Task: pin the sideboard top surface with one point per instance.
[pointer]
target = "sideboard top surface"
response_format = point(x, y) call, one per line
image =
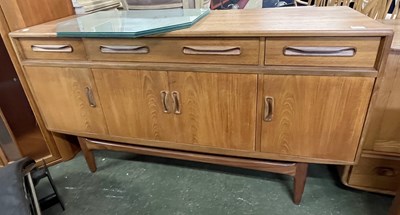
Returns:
point(288, 21)
point(395, 25)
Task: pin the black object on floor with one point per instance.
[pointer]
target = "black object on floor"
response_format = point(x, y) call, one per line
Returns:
point(51, 199)
point(13, 198)
point(17, 188)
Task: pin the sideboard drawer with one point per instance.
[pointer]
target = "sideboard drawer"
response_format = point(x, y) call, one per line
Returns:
point(53, 48)
point(175, 50)
point(322, 51)
point(376, 172)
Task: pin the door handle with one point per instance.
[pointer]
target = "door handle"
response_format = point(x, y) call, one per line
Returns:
point(211, 50)
point(124, 49)
point(52, 48)
point(177, 102)
point(319, 51)
point(268, 108)
point(164, 101)
point(90, 97)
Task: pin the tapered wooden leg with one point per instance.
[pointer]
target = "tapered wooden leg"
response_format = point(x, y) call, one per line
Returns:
point(91, 162)
point(299, 182)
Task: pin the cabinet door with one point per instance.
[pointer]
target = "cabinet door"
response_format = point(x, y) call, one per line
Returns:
point(67, 99)
point(217, 109)
point(132, 103)
point(314, 116)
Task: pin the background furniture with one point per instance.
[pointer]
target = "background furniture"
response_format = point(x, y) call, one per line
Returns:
point(26, 126)
point(378, 169)
point(164, 4)
point(376, 9)
point(294, 93)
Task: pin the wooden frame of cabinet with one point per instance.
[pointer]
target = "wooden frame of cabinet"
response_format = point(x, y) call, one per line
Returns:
point(31, 136)
point(212, 94)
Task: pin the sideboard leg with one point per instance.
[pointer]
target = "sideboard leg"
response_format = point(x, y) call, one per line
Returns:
point(299, 181)
point(91, 162)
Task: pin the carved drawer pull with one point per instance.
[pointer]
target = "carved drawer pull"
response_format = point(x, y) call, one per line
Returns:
point(386, 171)
point(52, 48)
point(319, 51)
point(116, 49)
point(177, 102)
point(164, 101)
point(90, 97)
point(268, 108)
point(212, 50)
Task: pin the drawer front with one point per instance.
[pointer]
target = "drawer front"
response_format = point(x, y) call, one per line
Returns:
point(52, 48)
point(175, 50)
point(377, 173)
point(322, 51)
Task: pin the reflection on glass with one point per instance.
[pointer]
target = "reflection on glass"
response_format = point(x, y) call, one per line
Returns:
point(132, 23)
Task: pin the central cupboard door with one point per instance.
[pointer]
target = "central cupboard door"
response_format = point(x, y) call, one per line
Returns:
point(209, 109)
point(215, 109)
point(314, 116)
point(136, 103)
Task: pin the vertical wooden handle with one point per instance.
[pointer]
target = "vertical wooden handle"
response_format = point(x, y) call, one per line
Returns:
point(268, 108)
point(164, 101)
point(177, 102)
point(90, 97)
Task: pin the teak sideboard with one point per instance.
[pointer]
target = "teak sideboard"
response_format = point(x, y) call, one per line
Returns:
point(241, 88)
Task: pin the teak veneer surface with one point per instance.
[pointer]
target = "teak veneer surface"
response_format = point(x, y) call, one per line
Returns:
point(321, 21)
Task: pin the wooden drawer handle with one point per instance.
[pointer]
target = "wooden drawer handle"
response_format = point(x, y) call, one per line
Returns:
point(52, 48)
point(124, 49)
point(90, 97)
point(177, 102)
point(211, 50)
point(164, 101)
point(386, 171)
point(319, 51)
point(268, 108)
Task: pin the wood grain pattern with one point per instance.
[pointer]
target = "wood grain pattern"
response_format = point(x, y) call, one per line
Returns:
point(62, 100)
point(132, 103)
point(171, 50)
point(319, 117)
point(366, 51)
point(78, 49)
point(377, 172)
point(218, 110)
point(25, 13)
point(318, 21)
point(248, 69)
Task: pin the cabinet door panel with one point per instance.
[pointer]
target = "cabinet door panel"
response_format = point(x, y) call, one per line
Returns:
point(132, 103)
point(217, 109)
point(61, 94)
point(315, 116)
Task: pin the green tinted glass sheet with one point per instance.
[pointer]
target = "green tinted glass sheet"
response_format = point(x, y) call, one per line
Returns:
point(131, 23)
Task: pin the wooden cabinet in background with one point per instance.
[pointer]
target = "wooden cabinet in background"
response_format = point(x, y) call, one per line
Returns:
point(26, 124)
point(378, 168)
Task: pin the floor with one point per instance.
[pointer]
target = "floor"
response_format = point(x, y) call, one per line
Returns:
point(132, 184)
